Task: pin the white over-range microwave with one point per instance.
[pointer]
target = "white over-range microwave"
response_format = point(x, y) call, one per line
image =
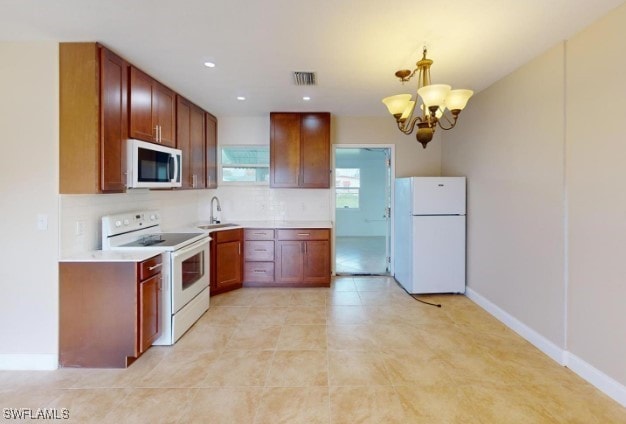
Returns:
point(150, 165)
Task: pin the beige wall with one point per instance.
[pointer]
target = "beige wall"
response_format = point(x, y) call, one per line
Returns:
point(596, 179)
point(411, 158)
point(29, 274)
point(545, 154)
point(509, 144)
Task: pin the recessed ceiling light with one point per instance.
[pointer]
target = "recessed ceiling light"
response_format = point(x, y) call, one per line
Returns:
point(306, 98)
point(209, 64)
point(241, 98)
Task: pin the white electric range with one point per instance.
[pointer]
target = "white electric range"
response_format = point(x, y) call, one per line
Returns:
point(185, 292)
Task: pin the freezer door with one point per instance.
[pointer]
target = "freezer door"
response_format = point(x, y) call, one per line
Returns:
point(438, 254)
point(438, 195)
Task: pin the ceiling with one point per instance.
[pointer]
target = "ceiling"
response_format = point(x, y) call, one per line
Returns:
point(354, 46)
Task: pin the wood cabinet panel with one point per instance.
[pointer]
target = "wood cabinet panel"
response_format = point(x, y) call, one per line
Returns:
point(211, 150)
point(107, 316)
point(197, 155)
point(226, 260)
point(164, 114)
point(300, 150)
point(183, 138)
point(289, 261)
point(152, 109)
point(316, 267)
point(149, 312)
point(259, 272)
point(114, 121)
point(315, 150)
point(303, 234)
point(149, 267)
point(284, 150)
point(93, 124)
point(142, 125)
point(257, 250)
point(258, 234)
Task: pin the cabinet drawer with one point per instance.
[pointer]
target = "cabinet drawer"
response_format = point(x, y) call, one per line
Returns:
point(258, 271)
point(304, 234)
point(149, 267)
point(258, 234)
point(227, 235)
point(259, 251)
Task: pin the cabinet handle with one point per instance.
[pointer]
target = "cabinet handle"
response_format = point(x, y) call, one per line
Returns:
point(156, 134)
point(194, 181)
point(304, 234)
point(154, 267)
point(260, 250)
point(259, 270)
point(305, 249)
point(260, 234)
point(239, 247)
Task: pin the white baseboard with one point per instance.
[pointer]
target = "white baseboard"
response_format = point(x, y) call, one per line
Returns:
point(539, 341)
point(29, 362)
point(603, 382)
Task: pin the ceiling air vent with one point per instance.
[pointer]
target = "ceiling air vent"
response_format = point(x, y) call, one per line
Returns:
point(304, 78)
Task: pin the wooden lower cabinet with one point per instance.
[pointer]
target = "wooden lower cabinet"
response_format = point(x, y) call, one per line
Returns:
point(301, 257)
point(110, 312)
point(226, 260)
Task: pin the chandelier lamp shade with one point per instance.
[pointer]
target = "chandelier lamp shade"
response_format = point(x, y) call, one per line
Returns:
point(437, 104)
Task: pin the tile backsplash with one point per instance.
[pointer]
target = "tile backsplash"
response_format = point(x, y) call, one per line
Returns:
point(80, 214)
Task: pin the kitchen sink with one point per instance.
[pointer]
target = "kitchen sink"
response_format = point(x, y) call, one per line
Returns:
point(215, 226)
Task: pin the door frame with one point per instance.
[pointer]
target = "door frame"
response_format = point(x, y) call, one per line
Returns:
point(392, 159)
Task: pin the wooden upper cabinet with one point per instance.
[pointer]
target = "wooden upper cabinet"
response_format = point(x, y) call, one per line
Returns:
point(93, 123)
point(114, 119)
point(190, 139)
point(211, 150)
point(300, 150)
point(152, 109)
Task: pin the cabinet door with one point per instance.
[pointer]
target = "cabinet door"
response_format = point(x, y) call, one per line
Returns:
point(114, 121)
point(197, 156)
point(284, 150)
point(211, 150)
point(183, 138)
point(228, 265)
point(289, 261)
point(149, 318)
point(164, 113)
point(316, 261)
point(142, 126)
point(315, 150)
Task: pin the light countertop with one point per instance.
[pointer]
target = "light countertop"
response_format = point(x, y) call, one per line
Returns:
point(113, 255)
point(272, 224)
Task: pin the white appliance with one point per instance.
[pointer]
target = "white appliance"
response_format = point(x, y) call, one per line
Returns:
point(185, 272)
point(429, 234)
point(150, 165)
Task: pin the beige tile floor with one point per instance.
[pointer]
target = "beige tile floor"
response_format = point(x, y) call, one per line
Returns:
point(361, 352)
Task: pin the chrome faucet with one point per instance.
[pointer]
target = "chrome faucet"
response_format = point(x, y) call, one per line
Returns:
point(213, 219)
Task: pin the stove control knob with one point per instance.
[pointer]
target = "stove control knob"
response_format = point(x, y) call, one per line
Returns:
point(153, 217)
point(126, 222)
point(118, 223)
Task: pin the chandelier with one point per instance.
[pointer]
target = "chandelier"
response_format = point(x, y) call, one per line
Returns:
point(440, 105)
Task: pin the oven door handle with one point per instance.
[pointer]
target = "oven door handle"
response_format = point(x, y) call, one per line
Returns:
point(200, 243)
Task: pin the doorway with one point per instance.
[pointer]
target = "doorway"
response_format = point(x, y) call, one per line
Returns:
point(363, 209)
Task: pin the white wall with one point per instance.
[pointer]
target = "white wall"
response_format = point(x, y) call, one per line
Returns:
point(29, 116)
point(544, 153)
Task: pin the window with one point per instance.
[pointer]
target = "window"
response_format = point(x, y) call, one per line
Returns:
point(245, 164)
point(347, 186)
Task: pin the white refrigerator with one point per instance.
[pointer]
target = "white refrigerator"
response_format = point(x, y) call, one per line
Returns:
point(429, 234)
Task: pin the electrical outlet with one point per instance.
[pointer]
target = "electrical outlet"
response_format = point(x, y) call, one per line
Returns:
point(42, 222)
point(80, 228)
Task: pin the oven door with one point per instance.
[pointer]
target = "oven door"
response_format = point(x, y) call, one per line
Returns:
point(189, 273)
